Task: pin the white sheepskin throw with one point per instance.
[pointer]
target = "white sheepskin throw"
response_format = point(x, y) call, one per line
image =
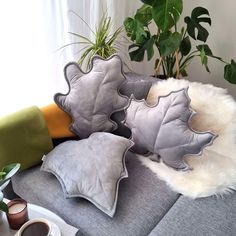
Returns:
point(214, 171)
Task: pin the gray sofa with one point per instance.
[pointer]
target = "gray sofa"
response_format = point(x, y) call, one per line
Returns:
point(146, 205)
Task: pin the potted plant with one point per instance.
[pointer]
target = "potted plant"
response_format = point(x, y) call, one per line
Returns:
point(172, 43)
point(5, 176)
point(104, 43)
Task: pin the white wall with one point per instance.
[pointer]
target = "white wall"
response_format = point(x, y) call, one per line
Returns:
point(222, 41)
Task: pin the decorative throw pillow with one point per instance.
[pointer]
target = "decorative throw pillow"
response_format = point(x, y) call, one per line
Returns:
point(93, 96)
point(24, 138)
point(214, 170)
point(57, 120)
point(164, 129)
point(91, 168)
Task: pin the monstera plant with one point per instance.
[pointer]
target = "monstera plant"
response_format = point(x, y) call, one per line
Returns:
point(5, 176)
point(174, 44)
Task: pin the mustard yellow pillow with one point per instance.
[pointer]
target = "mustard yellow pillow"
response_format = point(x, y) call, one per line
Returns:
point(57, 120)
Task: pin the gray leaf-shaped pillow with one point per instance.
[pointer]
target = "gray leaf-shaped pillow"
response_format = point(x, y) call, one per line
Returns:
point(93, 96)
point(164, 129)
point(91, 168)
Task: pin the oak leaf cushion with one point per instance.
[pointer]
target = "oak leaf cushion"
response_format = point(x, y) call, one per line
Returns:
point(93, 96)
point(163, 129)
point(91, 168)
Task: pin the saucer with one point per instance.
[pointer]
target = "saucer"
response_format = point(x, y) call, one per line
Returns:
point(55, 230)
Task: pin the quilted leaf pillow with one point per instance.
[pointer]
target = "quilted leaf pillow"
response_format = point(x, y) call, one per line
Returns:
point(91, 168)
point(93, 96)
point(164, 129)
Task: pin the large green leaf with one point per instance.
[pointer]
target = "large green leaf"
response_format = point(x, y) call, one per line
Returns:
point(170, 45)
point(149, 48)
point(204, 59)
point(166, 13)
point(230, 72)
point(129, 27)
point(164, 35)
point(144, 14)
point(193, 23)
point(10, 170)
point(207, 51)
point(185, 46)
point(139, 52)
point(134, 29)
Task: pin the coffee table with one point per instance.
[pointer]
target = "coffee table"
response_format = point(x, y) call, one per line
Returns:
point(35, 211)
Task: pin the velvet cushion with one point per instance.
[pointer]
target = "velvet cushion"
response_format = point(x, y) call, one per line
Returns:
point(93, 96)
point(91, 168)
point(164, 129)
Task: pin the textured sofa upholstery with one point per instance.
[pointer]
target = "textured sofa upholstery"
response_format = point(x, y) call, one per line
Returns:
point(146, 205)
point(143, 201)
point(207, 216)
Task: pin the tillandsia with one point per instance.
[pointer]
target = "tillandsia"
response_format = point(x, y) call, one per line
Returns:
point(173, 44)
point(5, 176)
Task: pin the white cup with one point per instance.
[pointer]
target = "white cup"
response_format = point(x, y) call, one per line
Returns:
point(34, 221)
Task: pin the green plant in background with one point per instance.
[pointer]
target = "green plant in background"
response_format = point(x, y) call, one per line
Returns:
point(104, 43)
point(5, 176)
point(173, 44)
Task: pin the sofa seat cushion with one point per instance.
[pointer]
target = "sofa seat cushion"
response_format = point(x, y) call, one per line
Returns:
point(204, 216)
point(143, 201)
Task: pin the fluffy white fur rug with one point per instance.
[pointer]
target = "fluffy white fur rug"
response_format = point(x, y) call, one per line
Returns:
point(214, 172)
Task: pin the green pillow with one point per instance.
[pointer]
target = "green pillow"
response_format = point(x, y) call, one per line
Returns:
point(24, 138)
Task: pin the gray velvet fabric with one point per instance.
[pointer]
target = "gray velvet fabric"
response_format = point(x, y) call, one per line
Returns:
point(93, 96)
point(163, 129)
point(210, 216)
point(143, 201)
point(90, 169)
point(137, 85)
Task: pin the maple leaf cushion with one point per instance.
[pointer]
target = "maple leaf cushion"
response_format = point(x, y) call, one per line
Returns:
point(91, 168)
point(93, 96)
point(164, 129)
